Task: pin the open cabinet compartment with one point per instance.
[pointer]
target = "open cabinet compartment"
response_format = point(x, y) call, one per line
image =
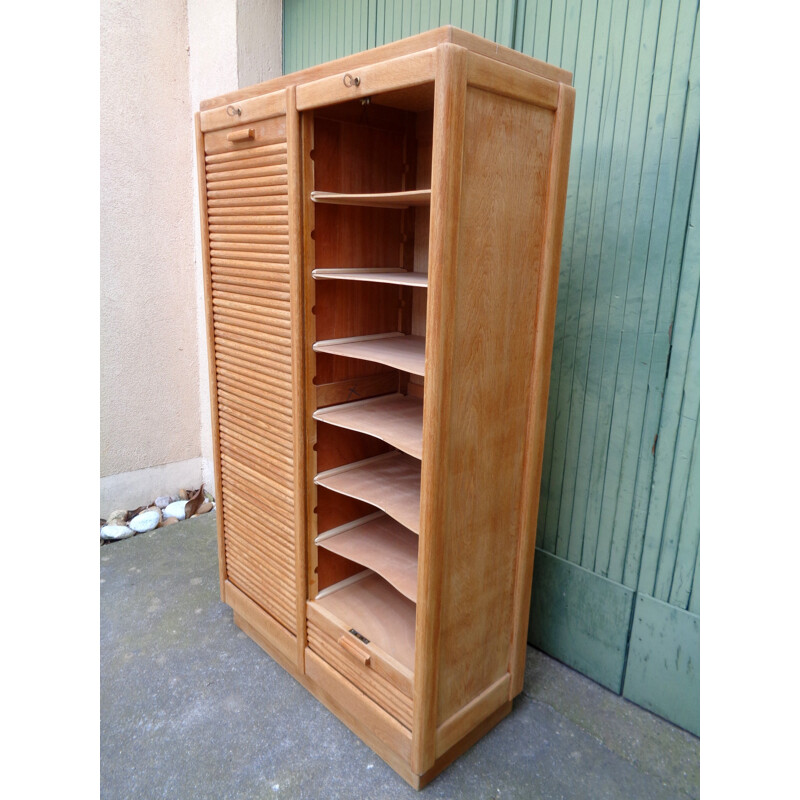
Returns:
point(367, 167)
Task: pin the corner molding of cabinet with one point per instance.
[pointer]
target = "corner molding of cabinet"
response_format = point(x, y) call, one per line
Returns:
point(447, 158)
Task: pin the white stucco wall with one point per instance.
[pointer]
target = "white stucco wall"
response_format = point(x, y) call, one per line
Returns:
point(149, 400)
point(159, 59)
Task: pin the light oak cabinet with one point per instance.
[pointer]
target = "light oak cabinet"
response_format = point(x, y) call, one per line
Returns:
point(382, 240)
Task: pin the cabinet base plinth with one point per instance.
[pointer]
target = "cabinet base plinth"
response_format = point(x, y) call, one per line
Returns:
point(387, 737)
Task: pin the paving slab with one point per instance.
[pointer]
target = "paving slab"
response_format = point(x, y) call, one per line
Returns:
point(192, 708)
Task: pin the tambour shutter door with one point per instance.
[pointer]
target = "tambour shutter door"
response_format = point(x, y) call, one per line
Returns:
point(248, 231)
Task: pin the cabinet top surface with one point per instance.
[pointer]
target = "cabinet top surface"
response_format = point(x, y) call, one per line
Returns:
point(412, 44)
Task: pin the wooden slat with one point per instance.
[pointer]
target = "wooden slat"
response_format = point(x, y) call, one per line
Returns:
point(258, 355)
point(242, 209)
point(250, 171)
point(390, 482)
point(246, 161)
point(214, 162)
point(262, 538)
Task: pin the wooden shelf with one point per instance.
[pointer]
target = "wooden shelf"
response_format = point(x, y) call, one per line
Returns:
point(398, 277)
point(394, 418)
point(396, 350)
point(381, 544)
point(390, 482)
point(377, 611)
point(419, 197)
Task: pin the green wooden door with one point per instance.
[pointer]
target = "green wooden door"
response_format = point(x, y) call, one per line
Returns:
point(616, 581)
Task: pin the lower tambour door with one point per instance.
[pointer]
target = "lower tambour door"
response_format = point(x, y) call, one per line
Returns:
point(248, 286)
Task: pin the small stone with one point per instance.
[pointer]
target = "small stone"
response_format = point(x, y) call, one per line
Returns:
point(176, 510)
point(163, 501)
point(118, 517)
point(168, 521)
point(114, 532)
point(146, 521)
point(184, 494)
point(173, 498)
point(204, 509)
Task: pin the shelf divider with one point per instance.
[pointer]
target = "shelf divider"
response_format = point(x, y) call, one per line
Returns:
point(382, 545)
point(395, 349)
point(390, 481)
point(398, 277)
point(393, 418)
point(417, 197)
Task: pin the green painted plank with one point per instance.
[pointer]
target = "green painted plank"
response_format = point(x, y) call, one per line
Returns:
point(372, 22)
point(594, 292)
point(582, 277)
point(671, 413)
point(541, 33)
point(520, 9)
point(663, 669)
point(679, 479)
point(622, 340)
point(694, 598)
point(446, 12)
point(575, 219)
point(580, 619)
point(689, 542)
point(665, 255)
point(550, 486)
point(555, 37)
point(607, 320)
point(651, 203)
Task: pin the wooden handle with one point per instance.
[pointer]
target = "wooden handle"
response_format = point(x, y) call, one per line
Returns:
point(354, 649)
point(242, 135)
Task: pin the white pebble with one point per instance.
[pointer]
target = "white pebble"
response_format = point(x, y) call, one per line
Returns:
point(114, 532)
point(176, 509)
point(146, 521)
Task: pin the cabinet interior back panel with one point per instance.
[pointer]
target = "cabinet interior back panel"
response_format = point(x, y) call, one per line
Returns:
point(249, 257)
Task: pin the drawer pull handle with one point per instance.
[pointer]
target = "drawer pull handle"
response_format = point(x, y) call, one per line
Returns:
point(349, 80)
point(242, 136)
point(348, 643)
point(232, 111)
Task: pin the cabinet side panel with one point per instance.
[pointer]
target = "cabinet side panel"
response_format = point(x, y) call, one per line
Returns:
point(502, 227)
point(249, 292)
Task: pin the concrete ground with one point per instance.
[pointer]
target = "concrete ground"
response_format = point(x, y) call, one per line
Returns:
point(192, 708)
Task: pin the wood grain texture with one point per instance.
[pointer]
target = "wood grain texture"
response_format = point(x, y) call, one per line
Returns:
point(250, 295)
point(446, 175)
point(502, 235)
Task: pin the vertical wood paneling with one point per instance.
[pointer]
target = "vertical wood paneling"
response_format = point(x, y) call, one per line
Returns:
point(615, 499)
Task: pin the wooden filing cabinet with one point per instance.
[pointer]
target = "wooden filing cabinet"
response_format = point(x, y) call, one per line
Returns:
point(382, 241)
